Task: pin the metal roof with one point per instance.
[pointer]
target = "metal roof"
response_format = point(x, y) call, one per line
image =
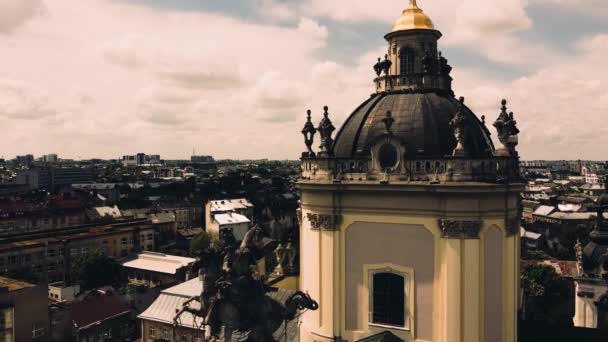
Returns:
point(158, 262)
point(230, 204)
point(230, 218)
point(544, 210)
point(166, 305)
point(422, 122)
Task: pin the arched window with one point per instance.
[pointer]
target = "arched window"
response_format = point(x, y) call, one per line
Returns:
point(407, 57)
point(388, 299)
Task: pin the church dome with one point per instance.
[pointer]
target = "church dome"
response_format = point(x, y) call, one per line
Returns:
point(413, 18)
point(421, 122)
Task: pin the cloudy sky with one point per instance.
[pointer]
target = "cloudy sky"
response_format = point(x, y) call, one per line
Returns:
point(233, 78)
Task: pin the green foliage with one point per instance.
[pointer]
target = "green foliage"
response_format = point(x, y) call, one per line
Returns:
point(202, 242)
point(199, 244)
point(548, 297)
point(534, 255)
point(97, 270)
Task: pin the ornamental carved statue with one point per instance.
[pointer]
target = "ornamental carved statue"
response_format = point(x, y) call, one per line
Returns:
point(378, 67)
point(386, 65)
point(233, 304)
point(506, 128)
point(309, 132)
point(325, 129)
point(459, 125)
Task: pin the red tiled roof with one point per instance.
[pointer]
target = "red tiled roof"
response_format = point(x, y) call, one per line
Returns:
point(21, 206)
point(97, 307)
point(563, 268)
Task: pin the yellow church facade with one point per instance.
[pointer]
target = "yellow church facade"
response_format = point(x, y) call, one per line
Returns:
point(410, 215)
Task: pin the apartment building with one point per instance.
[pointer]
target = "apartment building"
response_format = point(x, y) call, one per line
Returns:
point(49, 255)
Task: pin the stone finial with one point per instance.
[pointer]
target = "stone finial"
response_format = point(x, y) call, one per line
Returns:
point(459, 125)
point(507, 131)
point(309, 131)
point(325, 129)
point(388, 121)
point(386, 64)
point(378, 67)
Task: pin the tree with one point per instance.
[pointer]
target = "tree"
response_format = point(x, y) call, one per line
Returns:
point(534, 255)
point(203, 241)
point(97, 270)
point(547, 296)
point(199, 244)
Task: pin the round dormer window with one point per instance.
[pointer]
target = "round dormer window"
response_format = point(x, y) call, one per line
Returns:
point(388, 156)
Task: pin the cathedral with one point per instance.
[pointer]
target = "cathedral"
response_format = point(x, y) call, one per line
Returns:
point(409, 212)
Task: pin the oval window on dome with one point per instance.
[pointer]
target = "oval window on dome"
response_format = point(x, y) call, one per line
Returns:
point(388, 156)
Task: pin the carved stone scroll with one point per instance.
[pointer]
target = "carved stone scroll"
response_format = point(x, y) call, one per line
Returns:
point(455, 229)
point(323, 221)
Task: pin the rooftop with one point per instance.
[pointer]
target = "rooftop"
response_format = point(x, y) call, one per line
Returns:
point(13, 284)
point(171, 300)
point(544, 210)
point(190, 288)
point(158, 262)
point(108, 211)
point(97, 307)
point(230, 218)
point(56, 236)
point(230, 204)
point(563, 268)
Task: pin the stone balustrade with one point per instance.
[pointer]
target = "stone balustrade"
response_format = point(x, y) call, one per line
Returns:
point(450, 169)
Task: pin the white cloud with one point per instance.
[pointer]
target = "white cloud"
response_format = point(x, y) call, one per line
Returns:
point(22, 101)
point(590, 7)
point(490, 28)
point(126, 77)
point(275, 10)
point(560, 108)
point(101, 78)
point(15, 13)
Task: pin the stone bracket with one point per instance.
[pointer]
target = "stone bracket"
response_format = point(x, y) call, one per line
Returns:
point(327, 222)
point(460, 229)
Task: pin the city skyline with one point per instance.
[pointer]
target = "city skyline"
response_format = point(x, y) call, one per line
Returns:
point(119, 77)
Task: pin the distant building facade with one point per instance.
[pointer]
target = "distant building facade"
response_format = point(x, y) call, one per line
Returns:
point(50, 255)
point(234, 214)
point(54, 178)
point(591, 302)
point(25, 160)
point(151, 269)
point(23, 311)
point(98, 315)
point(19, 216)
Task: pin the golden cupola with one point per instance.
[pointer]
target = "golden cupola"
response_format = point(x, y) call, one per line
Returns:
point(413, 18)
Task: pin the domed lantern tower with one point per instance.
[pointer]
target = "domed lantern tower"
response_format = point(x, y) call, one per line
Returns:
point(410, 215)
